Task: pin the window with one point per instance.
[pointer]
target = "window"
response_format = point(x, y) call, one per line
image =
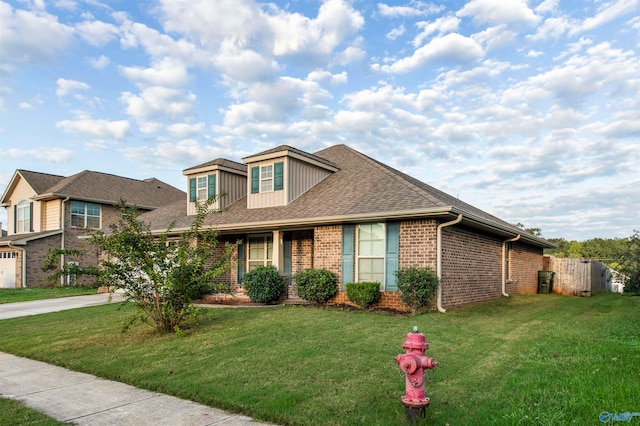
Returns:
point(267, 178)
point(371, 252)
point(202, 188)
point(260, 251)
point(23, 216)
point(85, 215)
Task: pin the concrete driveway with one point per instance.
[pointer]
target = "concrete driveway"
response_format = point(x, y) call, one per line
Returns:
point(21, 309)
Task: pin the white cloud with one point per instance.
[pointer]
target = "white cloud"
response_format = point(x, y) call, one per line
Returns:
point(97, 33)
point(43, 153)
point(442, 25)
point(495, 37)
point(498, 12)
point(607, 13)
point(452, 47)
point(547, 6)
point(65, 87)
point(32, 36)
point(416, 8)
point(158, 100)
point(100, 62)
point(167, 73)
point(396, 32)
point(185, 130)
point(99, 129)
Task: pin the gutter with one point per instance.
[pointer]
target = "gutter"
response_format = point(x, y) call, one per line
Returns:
point(504, 269)
point(62, 241)
point(439, 260)
point(24, 263)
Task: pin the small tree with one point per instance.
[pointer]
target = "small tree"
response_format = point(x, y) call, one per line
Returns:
point(264, 285)
point(417, 286)
point(316, 285)
point(162, 277)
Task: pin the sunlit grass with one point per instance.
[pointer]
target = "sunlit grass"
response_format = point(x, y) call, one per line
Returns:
point(541, 359)
point(11, 295)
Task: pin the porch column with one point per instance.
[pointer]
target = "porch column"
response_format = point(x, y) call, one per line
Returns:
point(278, 251)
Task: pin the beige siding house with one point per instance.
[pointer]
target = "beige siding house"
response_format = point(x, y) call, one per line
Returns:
point(341, 210)
point(48, 211)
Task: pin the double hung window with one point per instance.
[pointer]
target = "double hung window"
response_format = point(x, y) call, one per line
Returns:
point(85, 215)
point(260, 251)
point(23, 216)
point(371, 252)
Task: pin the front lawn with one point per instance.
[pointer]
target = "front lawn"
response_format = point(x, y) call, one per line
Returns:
point(540, 359)
point(11, 295)
point(16, 414)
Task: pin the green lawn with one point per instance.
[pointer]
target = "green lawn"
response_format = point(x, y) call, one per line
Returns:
point(11, 295)
point(16, 414)
point(524, 360)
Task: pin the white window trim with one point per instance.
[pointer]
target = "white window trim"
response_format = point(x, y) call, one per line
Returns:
point(24, 224)
point(265, 241)
point(272, 178)
point(205, 188)
point(383, 257)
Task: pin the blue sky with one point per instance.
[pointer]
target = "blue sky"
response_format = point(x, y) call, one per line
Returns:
point(529, 110)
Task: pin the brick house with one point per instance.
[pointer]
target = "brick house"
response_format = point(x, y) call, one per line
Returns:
point(343, 211)
point(48, 211)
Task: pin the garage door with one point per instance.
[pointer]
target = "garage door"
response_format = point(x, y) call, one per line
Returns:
point(7, 269)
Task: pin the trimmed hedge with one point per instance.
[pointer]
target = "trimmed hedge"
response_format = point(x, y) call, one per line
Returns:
point(316, 285)
point(364, 294)
point(264, 285)
point(417, 286)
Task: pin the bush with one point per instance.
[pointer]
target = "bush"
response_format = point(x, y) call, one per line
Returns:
point(316, 285)
point(417, 286)
point(264, 285)
point(364, 294)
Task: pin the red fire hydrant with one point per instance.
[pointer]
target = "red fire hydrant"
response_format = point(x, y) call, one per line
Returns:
point(413, 363)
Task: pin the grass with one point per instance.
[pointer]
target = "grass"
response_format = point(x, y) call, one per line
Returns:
point(11, 295)
point(524, 360)
point(16, 414)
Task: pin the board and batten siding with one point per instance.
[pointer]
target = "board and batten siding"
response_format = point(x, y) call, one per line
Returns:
point(267, 199)
point(231, 187)
point(302, 177)
point(191, 206)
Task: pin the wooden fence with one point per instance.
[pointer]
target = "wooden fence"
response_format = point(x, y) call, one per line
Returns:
point(578, 277)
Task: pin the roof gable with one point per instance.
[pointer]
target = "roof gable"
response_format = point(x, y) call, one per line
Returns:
point(39, 182)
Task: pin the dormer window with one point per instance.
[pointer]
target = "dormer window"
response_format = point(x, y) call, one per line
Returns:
point(267, 178)
point(202, 188)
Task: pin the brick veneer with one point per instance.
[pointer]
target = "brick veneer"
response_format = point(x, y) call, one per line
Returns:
point(526, 261)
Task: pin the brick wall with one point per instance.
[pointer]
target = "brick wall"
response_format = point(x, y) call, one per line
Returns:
point(36, 253)
point(526, 261)
point(327, 249)
point(471, 267)
point(302, 250)
point(418, 244)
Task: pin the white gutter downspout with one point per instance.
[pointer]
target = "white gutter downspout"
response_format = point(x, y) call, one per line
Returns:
point(24, 263)
point(62, 242)
point(504, 267)
point(439, 260)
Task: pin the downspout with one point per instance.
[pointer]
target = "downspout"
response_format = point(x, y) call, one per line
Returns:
point(439, 260)
point(62, 242)
point(24, 263)
point(504, 258)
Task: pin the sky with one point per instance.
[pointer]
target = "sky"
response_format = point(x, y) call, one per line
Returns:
point(529, 110)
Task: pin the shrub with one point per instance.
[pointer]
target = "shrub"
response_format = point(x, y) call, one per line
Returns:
point(316, 285)
point(364, 294)
point(264, 285)
point(417, 286)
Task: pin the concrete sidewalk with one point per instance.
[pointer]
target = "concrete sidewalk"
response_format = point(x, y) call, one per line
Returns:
point(83, 399)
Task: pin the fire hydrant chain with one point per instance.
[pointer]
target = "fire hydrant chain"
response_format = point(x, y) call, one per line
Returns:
point(413, 363)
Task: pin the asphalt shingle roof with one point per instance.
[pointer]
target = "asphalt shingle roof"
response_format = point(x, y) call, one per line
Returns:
point(361, 187)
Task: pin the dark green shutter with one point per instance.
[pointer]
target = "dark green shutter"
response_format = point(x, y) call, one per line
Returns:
point(192, 190)
point(347, 254)
point(31, 217)
point(240, 263)
point(278, 172)
point(391, 256)
point(15, 219)
point(287, 254)
point(255, 180)
point(211, 190)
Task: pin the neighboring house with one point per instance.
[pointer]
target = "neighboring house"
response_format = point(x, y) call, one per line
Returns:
point(48, 211)
point(343, 211)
